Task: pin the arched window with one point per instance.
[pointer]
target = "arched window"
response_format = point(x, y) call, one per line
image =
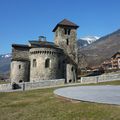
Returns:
point(67, 41)
point(70, 81)
point(19, 66)
point(67, 31)
point(47, 63)
point(34, 63)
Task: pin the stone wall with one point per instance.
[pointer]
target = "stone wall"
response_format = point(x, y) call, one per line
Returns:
point(44, 83)
point(71, 74)
point(20, 53)
point(19, 71)
point(101, 78)
point(5, 87)
point(33, 85)
point(67, 42)
point(40, 72)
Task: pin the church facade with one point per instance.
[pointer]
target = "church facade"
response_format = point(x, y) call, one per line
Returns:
point(43, 60)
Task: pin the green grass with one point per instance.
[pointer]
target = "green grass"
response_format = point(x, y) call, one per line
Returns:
point(117, 82)
point(44, 105)
point(111, 83)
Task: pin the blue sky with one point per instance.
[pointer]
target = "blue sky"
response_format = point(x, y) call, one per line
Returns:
point(23, 20)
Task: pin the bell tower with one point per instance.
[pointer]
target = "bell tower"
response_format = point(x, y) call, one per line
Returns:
point(66, 37)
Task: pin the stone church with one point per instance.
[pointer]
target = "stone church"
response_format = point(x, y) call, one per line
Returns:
point(43, 60)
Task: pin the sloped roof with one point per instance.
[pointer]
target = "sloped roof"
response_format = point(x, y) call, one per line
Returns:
point(45, 44)
point(116, 54)
point(20, 45)
point(65, 22)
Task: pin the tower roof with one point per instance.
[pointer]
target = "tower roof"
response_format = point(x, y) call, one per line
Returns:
point(66, 22)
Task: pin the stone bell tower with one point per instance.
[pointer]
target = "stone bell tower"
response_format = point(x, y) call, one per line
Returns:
point(66, 37)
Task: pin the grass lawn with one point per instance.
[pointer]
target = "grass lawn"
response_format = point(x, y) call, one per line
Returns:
point(117, 82)
point(44, 105)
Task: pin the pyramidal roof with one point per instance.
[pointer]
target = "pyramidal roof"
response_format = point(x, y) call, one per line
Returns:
point(65, 22)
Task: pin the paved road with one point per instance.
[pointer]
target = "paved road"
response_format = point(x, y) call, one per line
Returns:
point(101, 94)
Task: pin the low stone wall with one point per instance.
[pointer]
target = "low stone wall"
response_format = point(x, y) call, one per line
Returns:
point(33, 85)
point(43, 83)
point(5, 86)
point(100, 78)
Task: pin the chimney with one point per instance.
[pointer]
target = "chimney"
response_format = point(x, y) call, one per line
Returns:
point(42, 38)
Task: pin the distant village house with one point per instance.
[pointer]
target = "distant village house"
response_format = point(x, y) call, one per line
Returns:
point(112, 63)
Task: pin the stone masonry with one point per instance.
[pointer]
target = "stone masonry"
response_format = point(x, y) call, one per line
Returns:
point(43, 60)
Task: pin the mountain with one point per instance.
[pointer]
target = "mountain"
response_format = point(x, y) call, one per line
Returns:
point(102, 49)
point(5, 55)
point(90, 39)
point(85, 41)
point(5, 63)
point(92, 52)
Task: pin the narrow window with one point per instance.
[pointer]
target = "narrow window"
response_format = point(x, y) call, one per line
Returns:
point(34, 63)
point(47, 63)
point(70, 81)
point(65, 31)
point(68, 31)
point(19, 66)
point(72, 69)
point(67, 41)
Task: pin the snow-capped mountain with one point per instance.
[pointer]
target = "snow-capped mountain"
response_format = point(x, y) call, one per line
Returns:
point(5, 55)
point(109, 43)
point(90, 39)
point(5, 60)
point(85, 41)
